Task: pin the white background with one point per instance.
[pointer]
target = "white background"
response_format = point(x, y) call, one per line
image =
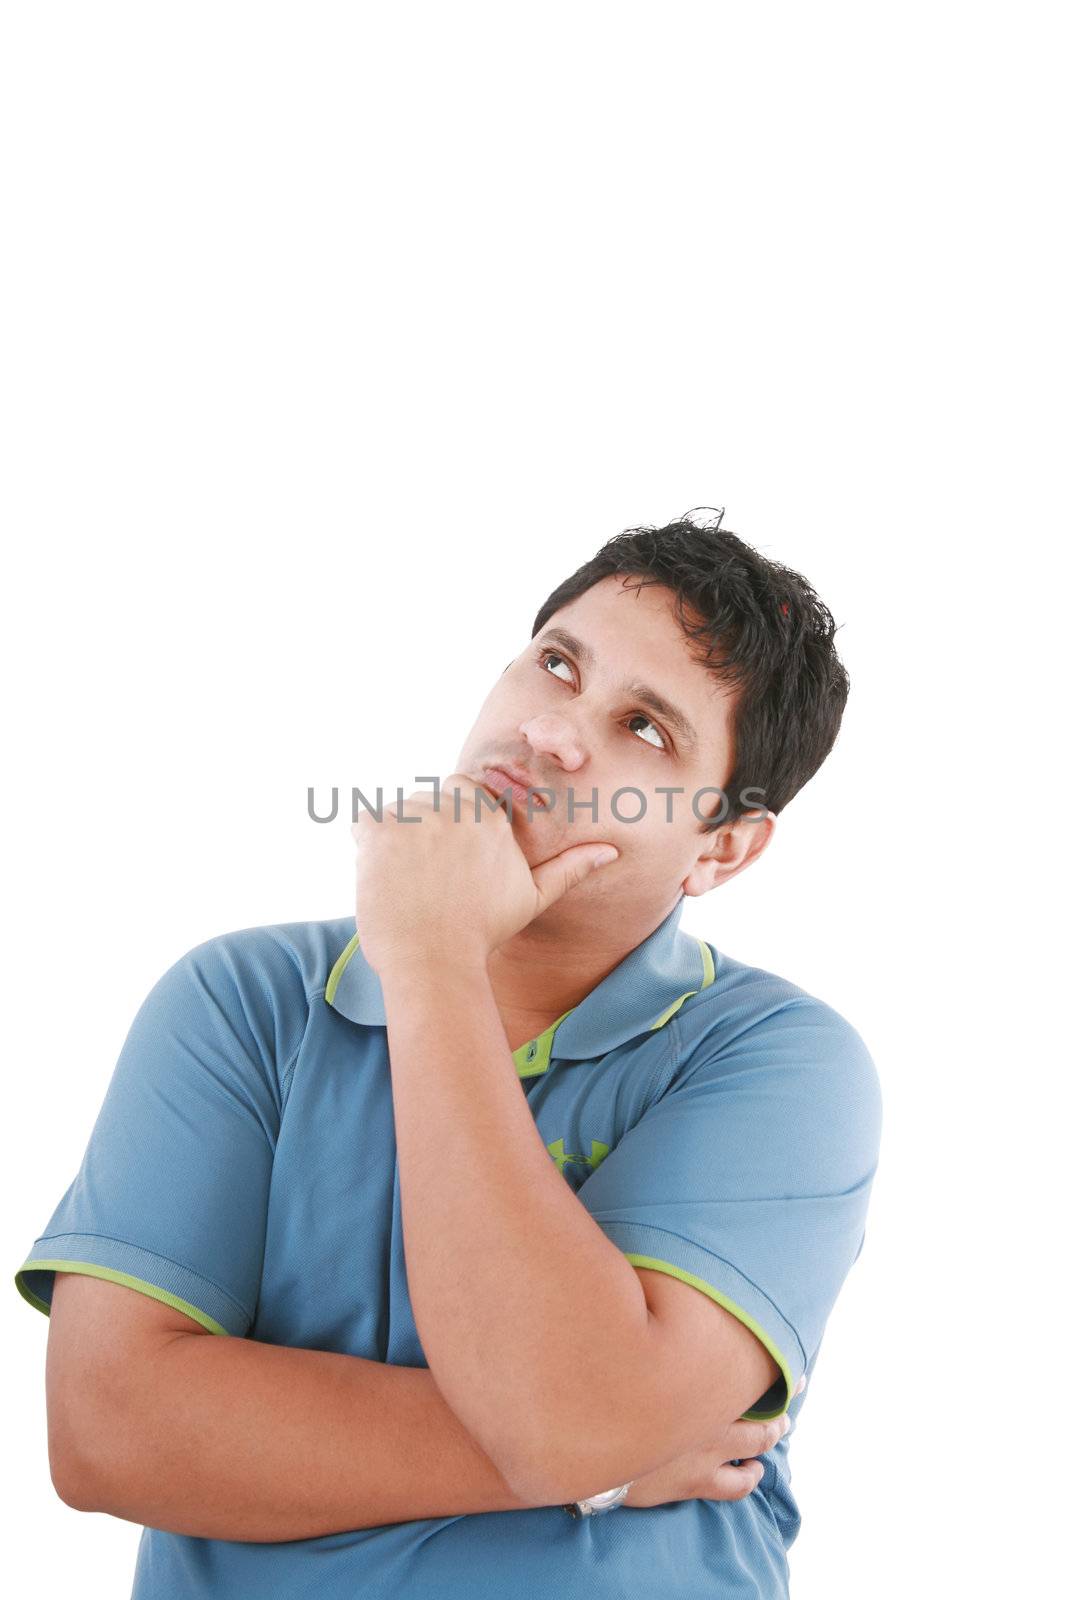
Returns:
point(334, 336)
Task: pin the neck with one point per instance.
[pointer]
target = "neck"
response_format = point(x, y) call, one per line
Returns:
point(550, 966)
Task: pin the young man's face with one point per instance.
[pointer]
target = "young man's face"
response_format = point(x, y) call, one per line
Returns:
point(566, 711)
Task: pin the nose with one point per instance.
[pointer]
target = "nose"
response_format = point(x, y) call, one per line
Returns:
point(550, 735)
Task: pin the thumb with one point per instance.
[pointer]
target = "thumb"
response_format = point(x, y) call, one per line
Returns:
point(553, 878)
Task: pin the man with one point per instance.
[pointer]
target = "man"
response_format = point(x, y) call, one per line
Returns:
point(523, 1208)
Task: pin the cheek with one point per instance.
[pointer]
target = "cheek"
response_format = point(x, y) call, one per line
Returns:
point(651, 838)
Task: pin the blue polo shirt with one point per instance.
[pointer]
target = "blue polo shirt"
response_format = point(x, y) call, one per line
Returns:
point(718, 1122)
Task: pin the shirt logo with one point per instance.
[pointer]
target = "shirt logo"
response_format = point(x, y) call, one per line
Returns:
point(561, 1156)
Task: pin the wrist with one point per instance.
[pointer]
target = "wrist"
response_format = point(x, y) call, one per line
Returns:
point(399, 967)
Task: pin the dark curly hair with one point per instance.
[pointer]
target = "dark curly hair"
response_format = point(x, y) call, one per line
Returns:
point(760, 628)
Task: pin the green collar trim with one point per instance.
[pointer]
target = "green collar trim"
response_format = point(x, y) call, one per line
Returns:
point(532, 1058)
point(338, 969)
point(638, 996)
point(709, 977)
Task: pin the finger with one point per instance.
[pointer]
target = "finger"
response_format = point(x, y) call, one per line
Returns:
point(460, 795)
point(374, 822)
point(464, 783)
point(745, 1439)
point(735, 1482)
point(366, 818)
point(419, 800)
point(553, 878)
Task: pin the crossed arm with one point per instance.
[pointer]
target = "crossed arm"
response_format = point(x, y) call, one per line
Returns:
point(155, 1420)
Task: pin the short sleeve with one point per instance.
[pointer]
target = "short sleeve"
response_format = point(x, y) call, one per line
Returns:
point(750, 1178)
point(172, 1193)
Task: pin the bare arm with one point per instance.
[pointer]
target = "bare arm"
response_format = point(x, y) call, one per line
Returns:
point(154, 1420)
point(563, 1411)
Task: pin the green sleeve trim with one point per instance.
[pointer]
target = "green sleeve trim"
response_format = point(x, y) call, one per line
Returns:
point(742, 1316)
point(109, 1273)
point(339, 966)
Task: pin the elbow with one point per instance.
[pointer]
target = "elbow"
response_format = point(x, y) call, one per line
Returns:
point(580, 1461)
point(530, 1473)
point(569, 1467)
point(523, 1474)
point(71, 1483)
point(560, 1484)
point(532, 1487)
point(73, 1470)
point(533, 1491)
point(566, 1456)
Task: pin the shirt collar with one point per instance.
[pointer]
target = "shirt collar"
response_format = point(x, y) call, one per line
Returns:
point(639, 995)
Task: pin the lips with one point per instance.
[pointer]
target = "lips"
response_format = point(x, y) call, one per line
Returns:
point(497, 778)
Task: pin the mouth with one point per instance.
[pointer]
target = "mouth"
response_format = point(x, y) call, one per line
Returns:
point(498, 779)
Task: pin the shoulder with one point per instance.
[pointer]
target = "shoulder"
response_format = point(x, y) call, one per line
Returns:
point(788, 1053)
point(750, 1016)
point(290, 961)
point(250, 990)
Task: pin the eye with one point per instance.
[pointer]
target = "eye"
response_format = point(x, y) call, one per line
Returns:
point(545, 656)
point(553, 655)
point(639, 716)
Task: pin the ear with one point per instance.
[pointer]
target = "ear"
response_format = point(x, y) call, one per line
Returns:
point(730, 849)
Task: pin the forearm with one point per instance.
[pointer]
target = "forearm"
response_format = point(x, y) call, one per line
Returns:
point(228, 1438)
point(532, 1322)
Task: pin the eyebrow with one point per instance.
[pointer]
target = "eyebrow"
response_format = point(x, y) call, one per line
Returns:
point(650, 698)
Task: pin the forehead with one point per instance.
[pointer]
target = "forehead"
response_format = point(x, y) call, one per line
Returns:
point(631, 629)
